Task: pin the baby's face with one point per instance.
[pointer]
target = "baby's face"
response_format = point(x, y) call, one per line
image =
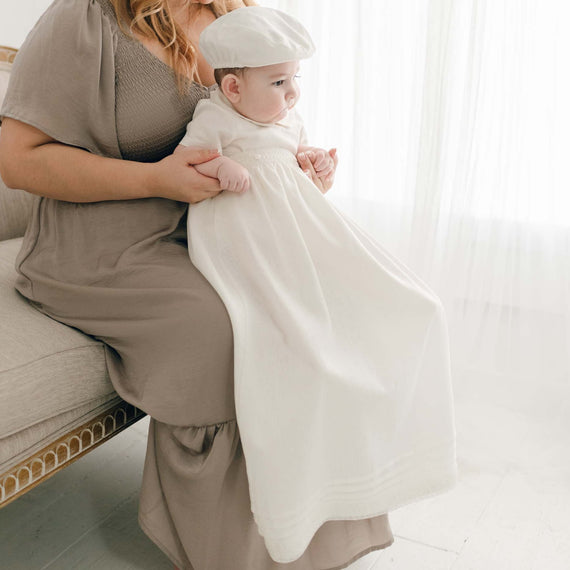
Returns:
point(267, 93)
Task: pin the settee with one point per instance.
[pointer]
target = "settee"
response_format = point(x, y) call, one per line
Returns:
point(56, 400)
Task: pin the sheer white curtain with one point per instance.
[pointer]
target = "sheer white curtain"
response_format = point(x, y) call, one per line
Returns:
point(452, 119)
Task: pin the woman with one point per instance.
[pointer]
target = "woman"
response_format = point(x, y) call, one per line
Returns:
point(92, 115)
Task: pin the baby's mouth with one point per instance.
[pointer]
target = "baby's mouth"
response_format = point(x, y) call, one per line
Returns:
point(283, 113)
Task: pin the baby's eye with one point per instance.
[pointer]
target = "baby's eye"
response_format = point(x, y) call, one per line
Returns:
point(279, 83)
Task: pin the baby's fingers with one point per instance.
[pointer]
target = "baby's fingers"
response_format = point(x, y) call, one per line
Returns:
point(244, 185)
point(326, 171)
point(333, 155)
point(323, 160)
point(240, 185)
point(306, 164)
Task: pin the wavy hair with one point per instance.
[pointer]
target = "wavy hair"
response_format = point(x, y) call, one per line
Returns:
point(152, 19)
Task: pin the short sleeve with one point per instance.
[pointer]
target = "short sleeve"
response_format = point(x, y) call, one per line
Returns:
point(63, 77)
point(206, 128)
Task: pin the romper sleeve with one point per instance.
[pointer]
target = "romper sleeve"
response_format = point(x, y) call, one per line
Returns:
point(207, 127)
point(63, 77)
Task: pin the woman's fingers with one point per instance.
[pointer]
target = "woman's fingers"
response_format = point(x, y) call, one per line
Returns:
point(324, 178)
point(329, 177)
point(309, 171)
point(175, 178)
point(326, 171)
point(333, 154)
point(307, 165)
point(196, 155)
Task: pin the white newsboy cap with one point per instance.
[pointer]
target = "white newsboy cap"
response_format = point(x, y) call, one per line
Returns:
point(254, 36)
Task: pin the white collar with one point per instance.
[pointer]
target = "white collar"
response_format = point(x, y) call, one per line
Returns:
point(218, 97)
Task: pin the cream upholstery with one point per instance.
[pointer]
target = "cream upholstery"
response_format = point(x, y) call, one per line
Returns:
point(15, 208)
point(41, 359)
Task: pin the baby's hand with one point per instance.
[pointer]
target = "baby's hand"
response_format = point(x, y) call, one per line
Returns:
point(321, 160)
point(233, 176)
point(323, 180)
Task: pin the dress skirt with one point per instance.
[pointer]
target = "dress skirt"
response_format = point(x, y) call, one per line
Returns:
point(195, 505)
point(341, 370)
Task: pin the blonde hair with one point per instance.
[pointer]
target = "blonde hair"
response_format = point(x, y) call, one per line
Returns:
point(152, 19)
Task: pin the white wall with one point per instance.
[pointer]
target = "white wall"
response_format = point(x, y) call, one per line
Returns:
point(17, 17)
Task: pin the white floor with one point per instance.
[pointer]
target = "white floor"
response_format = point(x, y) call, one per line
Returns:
point(510, 510)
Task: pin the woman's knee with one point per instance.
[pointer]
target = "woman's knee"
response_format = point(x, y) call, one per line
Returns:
point(205, 322)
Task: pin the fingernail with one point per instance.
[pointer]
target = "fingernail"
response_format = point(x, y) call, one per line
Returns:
point(303, 156)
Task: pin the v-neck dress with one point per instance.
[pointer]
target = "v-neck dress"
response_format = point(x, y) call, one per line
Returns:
point(120, 271)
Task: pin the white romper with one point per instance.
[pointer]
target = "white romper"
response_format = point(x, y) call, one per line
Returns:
point(341, 367)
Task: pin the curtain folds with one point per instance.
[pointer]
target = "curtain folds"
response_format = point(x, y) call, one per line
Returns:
point(452, 122)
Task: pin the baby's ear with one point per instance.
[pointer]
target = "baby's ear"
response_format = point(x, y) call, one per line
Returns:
point(231, 87)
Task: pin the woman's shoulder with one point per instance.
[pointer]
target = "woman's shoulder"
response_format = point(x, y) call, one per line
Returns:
point(107, 8)
point(69, 25)
point(62, 80)
point(62, 11)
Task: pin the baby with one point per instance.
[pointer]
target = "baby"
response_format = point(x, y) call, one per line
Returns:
point(341, 373)
point(264, 94)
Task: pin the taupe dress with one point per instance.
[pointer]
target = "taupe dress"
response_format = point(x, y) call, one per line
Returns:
point(120, 271)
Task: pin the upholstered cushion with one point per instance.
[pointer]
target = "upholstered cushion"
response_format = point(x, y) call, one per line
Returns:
point(46, 368)
point(21, 445)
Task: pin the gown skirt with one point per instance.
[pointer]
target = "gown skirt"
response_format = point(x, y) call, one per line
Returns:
point(341, 364)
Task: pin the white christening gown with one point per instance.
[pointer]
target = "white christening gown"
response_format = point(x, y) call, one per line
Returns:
point(342, 384)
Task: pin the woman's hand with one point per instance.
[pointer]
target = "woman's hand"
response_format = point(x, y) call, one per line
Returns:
point(323, 181)
point(175, 178)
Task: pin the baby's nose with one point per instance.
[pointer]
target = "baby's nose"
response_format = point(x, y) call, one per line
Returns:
point(292, 94)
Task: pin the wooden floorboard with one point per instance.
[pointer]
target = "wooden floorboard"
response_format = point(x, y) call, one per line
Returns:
point(78, 506)
point(115, 543)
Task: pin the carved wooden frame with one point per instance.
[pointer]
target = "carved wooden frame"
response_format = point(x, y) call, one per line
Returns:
point(59, 454)
point(7, 54)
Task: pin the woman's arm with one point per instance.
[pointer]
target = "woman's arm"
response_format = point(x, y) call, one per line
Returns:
point(32, 161)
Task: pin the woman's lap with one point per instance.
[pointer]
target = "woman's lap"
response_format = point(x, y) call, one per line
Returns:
point(168, 336)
